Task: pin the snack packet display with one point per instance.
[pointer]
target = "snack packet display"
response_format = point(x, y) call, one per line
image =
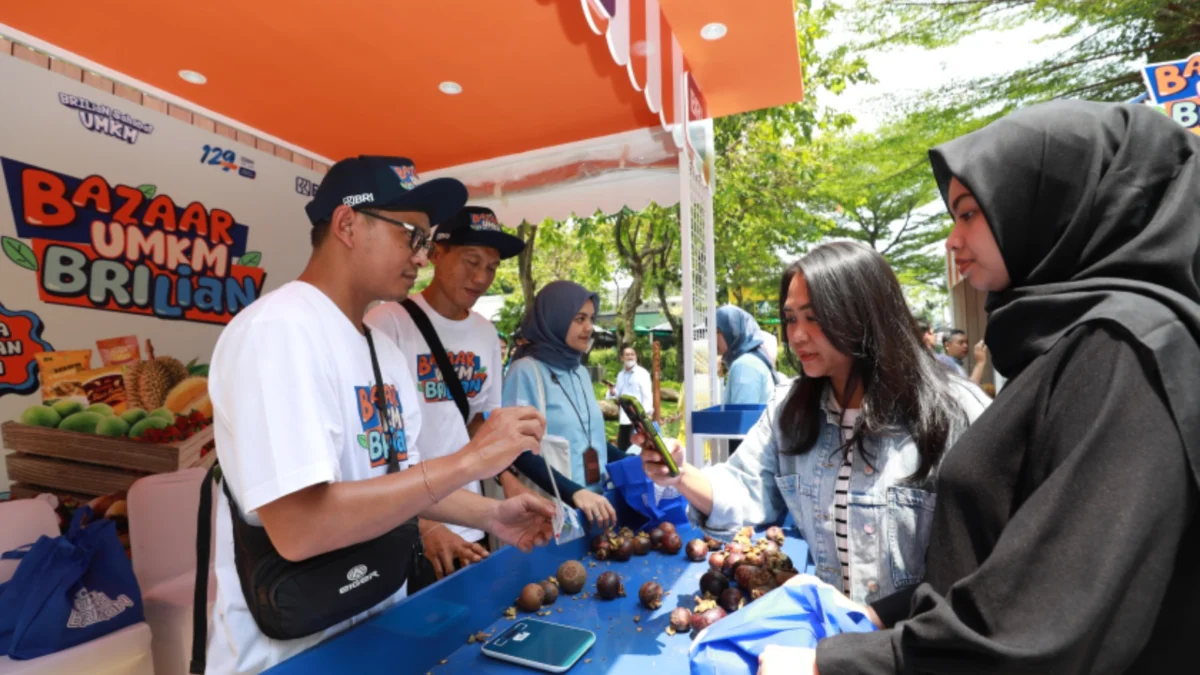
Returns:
point(119, 351)
point(105, 385)
point(60, 374)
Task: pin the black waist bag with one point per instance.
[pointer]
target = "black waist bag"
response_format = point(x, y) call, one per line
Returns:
point(291, 600)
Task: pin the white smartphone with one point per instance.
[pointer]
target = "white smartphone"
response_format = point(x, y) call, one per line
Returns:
point(541, 645)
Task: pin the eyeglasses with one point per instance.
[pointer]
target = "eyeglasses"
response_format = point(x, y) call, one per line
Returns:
point(419, 239)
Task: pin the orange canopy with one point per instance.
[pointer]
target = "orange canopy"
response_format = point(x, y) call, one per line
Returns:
point(342, 78)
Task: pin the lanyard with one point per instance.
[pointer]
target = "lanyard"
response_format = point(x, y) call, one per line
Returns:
point(588, 427)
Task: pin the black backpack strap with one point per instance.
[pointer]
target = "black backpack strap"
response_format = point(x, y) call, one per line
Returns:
point(200, 595)
point(449, 374)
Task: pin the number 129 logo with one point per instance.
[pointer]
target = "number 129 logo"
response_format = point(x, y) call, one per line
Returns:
point(227, 160)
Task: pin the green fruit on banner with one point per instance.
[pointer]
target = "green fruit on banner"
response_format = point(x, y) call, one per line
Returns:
point(67, 408)
point(164, 413)
point(41, 415)
point(113, 426)
point(151, 422)
point(82, 421)
point(134, 415)
point(102, 408)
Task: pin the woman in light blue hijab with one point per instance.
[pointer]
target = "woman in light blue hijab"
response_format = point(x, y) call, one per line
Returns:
point(750, 375)
point(557, 332)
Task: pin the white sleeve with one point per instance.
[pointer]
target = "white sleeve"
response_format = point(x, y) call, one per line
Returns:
point(384, 318)
point(493, 386)
point(283, 431)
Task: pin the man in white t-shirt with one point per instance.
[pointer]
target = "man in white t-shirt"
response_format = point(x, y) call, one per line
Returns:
point(468, 250)
point(302, 445)
point(633, 380)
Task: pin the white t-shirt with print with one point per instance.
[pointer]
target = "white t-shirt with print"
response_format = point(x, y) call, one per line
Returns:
point(291, 386)
point(474, 349)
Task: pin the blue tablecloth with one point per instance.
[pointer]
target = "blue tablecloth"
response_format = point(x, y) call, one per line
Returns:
point(428, 632)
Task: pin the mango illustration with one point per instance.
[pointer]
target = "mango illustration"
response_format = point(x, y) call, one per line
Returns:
point(102, 408)
point(67, 408)
point(41, 415)
point(151, 422)
point(113, 426)
point(85, 422)
point(134, 416)
point(164, 413)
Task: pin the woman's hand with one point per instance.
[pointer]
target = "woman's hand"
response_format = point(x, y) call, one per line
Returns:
point(597, 509)
point(654, 464)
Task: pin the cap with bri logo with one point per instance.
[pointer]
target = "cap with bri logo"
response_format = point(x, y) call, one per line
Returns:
point(478, 226)
point(387, 184)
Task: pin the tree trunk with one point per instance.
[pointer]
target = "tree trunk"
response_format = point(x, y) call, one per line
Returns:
point(629, 308)
point(528, 234)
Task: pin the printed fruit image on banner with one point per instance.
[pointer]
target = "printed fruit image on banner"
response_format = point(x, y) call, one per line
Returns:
point(96, 244)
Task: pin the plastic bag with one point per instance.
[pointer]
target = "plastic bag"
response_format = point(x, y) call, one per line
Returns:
point(800, 614)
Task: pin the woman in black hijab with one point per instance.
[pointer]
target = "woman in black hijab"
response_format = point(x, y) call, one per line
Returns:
point(1065, 538)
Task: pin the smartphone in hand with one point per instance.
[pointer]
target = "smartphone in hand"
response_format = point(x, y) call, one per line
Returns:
point(637, 415)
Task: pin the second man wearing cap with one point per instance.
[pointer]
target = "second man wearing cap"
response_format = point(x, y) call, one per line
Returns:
point(468, 250)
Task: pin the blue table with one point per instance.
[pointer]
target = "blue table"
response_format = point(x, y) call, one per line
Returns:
point(428, 632)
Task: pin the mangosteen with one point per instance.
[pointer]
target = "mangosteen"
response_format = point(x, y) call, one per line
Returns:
point(625, 533)
point(775, 534)
point(744, 573)
point(641, 545)
point(656, 536)
point(782, 576)
point(707, 618)
point(734, 547)
point(697, 550)
point(571, 577)
point(754, 558)
point(550, 589)
point(713, 583)
point(651, 595)
point(731, 600)
point(603, 553)
point(622, 552)
point(717, 560)
point(731, 563)
point(671, 543)
point(770, 547)
point(759, 591)
point(681, 619)
point(609, 586)
point(713, 544)
point(531, 598)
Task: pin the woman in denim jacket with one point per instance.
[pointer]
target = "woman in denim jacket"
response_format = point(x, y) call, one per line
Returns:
point(859, 483)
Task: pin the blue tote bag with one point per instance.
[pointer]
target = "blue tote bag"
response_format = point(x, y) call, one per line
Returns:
point(68, 590)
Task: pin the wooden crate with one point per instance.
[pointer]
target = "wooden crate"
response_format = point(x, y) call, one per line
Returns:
point(90, 464)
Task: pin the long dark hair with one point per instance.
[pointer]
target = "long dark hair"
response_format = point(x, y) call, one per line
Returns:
point(858, 303)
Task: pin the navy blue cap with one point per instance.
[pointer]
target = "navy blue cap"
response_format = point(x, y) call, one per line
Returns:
point(387, 184)
point(478, 226)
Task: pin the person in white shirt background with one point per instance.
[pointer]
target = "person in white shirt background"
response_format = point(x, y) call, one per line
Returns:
point(467, 252)
point(302, 448)
point(633, 380)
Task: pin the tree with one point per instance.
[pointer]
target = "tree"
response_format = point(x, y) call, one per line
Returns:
point(642, 239)
point(1107, 37)
point(574, 249)
point(764, 163)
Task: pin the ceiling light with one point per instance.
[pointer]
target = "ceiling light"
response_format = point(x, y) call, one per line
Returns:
point(192, 76)
point(713, 31)
point(451, 88)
